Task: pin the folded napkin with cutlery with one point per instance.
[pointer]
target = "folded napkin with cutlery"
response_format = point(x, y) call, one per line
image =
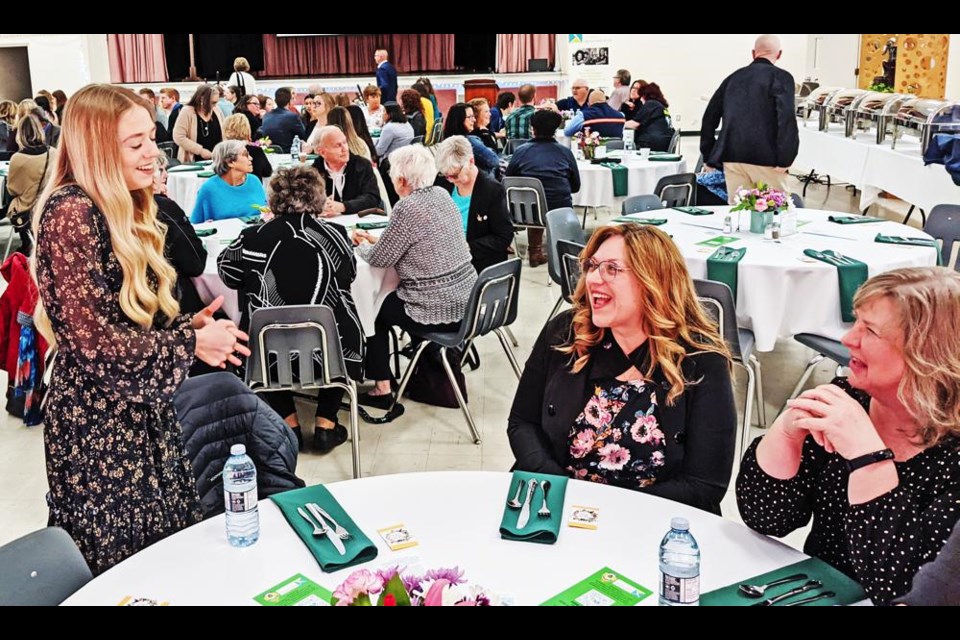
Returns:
point(203, 233)
point(531, 522)
point(619, 173)
point(911, 242)
point(722, 266)
point(357, 547)
point(694, 211)
point(665, 157)
point(206, 174)
point(845, 590)
point(377, 224)
point(654, 221)
point(851, 273)
point(854, 219)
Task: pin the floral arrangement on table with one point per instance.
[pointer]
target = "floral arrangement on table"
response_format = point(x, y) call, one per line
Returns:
point(763, 203)
point(880, 87)
point(436, 588)
point(587, 141)
point(264, 143)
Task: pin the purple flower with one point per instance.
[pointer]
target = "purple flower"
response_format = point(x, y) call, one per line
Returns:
point(411, 584)
point(453, 576)
point(613, 457)
point(386, 575)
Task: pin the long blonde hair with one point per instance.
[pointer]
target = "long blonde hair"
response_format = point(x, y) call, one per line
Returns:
point(673, 319)
point(927, 301)
point(90, 157)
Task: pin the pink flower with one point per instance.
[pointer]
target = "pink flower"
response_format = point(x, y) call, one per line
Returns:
point(434, 595)
point(596, 414)
point(362, 582)
point(657, 459)
point(613, 457)
point(583, 443)
point(761, 205)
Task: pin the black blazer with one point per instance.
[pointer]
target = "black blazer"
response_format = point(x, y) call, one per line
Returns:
point(756, 104)
point(184, 251)
point(700, 427)
point(489, 229)
point(360, 189)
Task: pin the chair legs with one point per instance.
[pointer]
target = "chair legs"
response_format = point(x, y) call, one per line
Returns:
point(460, 399)
point(761, 407)
point(512, 337)
point(553, 311)
point(814, 361)
point(351, 390)
point(410, 367)
point(747, 407)
point(506, 348)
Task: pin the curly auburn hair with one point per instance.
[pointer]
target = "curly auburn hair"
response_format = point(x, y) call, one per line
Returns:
point(297, 190)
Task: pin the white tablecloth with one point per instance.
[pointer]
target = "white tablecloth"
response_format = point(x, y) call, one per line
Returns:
point(781, 292)
point(873, 168)
point(596, 182)
point(455, 516)
point(369, 289)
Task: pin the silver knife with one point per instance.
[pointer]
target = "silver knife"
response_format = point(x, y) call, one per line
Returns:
point(331, 536)
point(524, 517)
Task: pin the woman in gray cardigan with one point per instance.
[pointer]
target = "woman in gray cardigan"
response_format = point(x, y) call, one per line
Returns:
point(426, 245)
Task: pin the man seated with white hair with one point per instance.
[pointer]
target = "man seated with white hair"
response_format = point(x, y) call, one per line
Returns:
point(234, 191)
point(426, 244)
point(597, 116)
point(351, 185)
point(581, 91)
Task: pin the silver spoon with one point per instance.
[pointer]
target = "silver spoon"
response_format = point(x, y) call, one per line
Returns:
point(515, 503)
point(757, 591)
point(819, 596)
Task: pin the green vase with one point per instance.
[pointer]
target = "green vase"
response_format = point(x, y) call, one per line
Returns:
point(588, 152)
point(759, 220)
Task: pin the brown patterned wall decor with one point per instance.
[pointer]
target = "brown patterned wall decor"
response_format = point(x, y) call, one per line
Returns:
point(921, 62)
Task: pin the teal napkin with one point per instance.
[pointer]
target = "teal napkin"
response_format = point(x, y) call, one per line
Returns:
point(185, 168)
point(378, 224)
point(206, 174)
point(254, 219)
point(722, 266)
point(912, 242)
point(851, 274)
point(854, 219)
point(542, 530)
point(203, 233)
point(694, 211)
point(359, 549)
point(619, 173)
point(847, 591)
point(654, 221)
point(665, 157)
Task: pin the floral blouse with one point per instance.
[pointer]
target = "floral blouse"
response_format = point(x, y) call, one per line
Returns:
point(617, 438)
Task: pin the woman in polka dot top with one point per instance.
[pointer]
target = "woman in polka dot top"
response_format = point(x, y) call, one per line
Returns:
point(875, 458)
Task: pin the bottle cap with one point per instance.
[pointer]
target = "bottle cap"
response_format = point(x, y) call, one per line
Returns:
point(680, 524)
point(238, 450)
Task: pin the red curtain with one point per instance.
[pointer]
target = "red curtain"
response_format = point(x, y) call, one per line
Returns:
point(353, 54)
point(514, 50)
point(137, 57)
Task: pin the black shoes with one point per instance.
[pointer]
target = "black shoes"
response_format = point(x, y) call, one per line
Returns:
point(297, 431)
point(326, 440)
point(378, 402)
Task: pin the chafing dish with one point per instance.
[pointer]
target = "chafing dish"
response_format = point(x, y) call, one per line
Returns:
point(875, 109)
point(924, 117)
point(815, 102)
point(835, 109)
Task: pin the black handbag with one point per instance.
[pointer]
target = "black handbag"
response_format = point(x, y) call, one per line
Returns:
point(429, 382)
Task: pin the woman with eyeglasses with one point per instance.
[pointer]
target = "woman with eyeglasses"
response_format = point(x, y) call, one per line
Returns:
point(249, 106)
point(462, 121)
point(632, 386)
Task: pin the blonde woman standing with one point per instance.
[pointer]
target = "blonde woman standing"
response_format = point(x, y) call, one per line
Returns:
point(118, 477)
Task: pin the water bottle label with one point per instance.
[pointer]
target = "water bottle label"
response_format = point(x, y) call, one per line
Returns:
point(680, 590)
point(240, 501)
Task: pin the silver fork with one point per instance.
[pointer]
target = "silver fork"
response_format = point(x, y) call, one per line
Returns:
point(544, 511)
point(339, 531)
point(317, 530)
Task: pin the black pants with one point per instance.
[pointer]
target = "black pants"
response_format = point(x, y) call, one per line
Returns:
point(393, 314)
point(328, 402)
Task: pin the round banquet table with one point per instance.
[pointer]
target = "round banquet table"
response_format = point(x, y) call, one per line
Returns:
point(369, 288)
point(455, 516)
point(781, 292)
point(596, 183)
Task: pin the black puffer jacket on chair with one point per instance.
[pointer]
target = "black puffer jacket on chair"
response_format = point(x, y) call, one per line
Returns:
point(217, 411)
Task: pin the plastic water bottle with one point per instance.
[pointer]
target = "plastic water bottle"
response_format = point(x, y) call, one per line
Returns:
point(240, 498)
point(679, 566)
point(628, 146)
point(295, 149)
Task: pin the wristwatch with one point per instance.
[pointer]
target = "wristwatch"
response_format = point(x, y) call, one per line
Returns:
point(868, 459)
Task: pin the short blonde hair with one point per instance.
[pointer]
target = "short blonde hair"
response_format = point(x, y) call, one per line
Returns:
point(241, 64)
point(8, 111)
point(927, 301)
point(413, 163)
point(453, 153)
point(237, 127)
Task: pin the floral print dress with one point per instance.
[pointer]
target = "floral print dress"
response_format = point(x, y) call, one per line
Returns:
point(118, 477)
point(617, 438)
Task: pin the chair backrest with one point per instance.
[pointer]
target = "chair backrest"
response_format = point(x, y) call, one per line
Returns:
point(641, 203)
point(273, 148)
point(437, 131)
point(493, 300)
point(294, 336)
point(417, 140)
point(943, 223)
point(168, 148)
point(674, 142)
point(41, 568)
point(717, 300)
point(699, 166)
point(678, 190)
point(527, 201)
point(512, 144)
point(173, 162)
point(562, 224)
point(569, 267)
point(797, 200)
point(613, 145)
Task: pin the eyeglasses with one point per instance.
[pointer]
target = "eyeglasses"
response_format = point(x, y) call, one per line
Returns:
point(578, 87)
point(609, 270)
point(453, 177)
point(252, 102)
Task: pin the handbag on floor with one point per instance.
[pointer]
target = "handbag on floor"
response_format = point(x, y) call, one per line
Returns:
point(429, 383)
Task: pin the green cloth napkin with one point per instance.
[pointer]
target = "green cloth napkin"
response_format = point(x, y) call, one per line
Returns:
point(694, 211)
point(848, 591)
point(542, 530)
point(722, 266)
point(185, 168)
point(619, 173)
point(254, 219)
point(653, 221)
point(377, 224)
point(202, 163)
point(851, 276)
point(665, 157)
point(206, 174)
point(359, 549)
point(854, 219)
point(203, 233)
point(912, 242)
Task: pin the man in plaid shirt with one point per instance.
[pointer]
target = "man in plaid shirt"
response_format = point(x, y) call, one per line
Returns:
point(518, 123)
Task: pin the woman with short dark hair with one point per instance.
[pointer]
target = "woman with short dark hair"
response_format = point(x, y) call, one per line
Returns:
point(396, 131)
point(462, 121)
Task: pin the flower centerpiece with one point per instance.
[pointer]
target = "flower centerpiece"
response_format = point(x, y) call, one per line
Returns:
point(388, 588)
point(264, 143)
point(764, 205)
point(588, 142)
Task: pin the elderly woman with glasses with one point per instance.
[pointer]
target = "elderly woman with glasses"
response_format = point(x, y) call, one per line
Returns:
point(481, 200)
point(632, 386)
point(234, 191)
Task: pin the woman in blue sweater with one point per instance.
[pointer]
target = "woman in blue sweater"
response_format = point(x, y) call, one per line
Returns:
point(234, 191)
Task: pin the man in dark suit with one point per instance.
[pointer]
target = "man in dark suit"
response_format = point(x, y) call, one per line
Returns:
point(386, 76)
point(351, 185)
point(759, 139)
point(281, 124)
